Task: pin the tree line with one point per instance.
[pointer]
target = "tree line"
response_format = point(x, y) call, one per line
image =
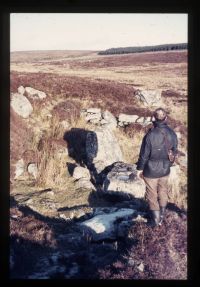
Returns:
point(126, 50)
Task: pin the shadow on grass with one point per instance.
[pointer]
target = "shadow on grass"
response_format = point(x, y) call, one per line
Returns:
point(44, 247)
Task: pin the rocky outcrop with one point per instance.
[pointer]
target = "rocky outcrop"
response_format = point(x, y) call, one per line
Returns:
point(96, 116)
point(32, 169)
point(144, 121)
point(122, 180)
point(84, 183)
point(93, 115)
point(34, 94)
point(31, 92)
point(125, 120)
point(108, 120)
point(102, 149)
point(81, 172)
point(20, 168)
point(21, 90)
point(82, 177)
point(21, 105)
point(149, 97)
point(102, 226)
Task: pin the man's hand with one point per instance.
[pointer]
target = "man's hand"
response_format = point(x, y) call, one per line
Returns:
point(139, 174)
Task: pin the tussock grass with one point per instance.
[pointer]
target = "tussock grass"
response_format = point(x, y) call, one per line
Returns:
point(130, 144)
point(56, 130)
point(52, 156)
point(52, 167)
point(106, 83)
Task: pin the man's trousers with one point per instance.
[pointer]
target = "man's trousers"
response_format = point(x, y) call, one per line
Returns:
point(156, 192)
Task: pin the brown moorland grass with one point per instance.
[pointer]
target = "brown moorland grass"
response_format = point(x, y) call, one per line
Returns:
point(162, 251)
point(131, 60)
point(83, 92)
point(118, 97)
point(152, 70)
point(88, 59)
point(37, 56)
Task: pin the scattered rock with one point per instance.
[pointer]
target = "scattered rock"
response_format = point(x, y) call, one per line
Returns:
point(21, 105)
point(50, 193)
point(144, 121)
point(140, 267)
point(149, 97)
point(63, 216)
point(103, 226)
point(32, 169)
point(122, 180)
point(84, 183)
point(139, 218)
point(81, 172)
point(102, 149)
point(94, 111)
point(34, 94)
point(21, 90)
point(108, 120)
point(20, 168)
point(93, 117)
point(125, 119)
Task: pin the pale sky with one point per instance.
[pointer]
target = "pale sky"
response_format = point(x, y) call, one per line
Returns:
point(94, 31)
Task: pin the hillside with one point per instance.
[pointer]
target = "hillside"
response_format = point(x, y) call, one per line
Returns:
point(77, 122)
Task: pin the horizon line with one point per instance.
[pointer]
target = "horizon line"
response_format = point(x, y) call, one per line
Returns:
point(121, 47)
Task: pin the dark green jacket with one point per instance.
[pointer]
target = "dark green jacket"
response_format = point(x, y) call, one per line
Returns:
point(153, 157)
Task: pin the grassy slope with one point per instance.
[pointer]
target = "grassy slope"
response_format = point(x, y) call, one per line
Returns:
point(108, 82)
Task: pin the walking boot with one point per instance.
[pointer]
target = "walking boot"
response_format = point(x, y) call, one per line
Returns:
point(155, 218)
point(162, 213)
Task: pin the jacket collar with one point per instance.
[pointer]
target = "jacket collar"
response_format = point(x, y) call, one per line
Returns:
point(159, 124)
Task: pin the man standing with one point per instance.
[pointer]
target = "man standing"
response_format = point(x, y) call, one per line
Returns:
point(154, 165)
